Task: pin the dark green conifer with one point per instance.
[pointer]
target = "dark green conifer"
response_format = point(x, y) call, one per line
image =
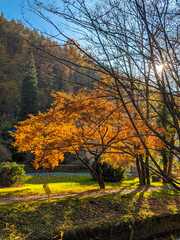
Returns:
point(29, 91)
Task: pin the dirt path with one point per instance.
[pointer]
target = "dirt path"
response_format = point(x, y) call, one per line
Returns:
point(80, 194)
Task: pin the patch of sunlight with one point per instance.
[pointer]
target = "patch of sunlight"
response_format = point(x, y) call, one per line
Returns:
point(146, 213)
point(130, 182)
point(172, 208)
point(37, 189)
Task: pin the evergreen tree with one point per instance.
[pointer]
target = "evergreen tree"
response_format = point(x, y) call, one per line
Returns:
point(29, 91)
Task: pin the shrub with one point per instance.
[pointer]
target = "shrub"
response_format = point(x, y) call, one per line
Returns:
point(11, 173)
point(111, 174)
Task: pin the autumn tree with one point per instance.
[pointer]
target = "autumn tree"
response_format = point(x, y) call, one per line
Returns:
point(29, 93)
point(129, 41)
point(89, 121)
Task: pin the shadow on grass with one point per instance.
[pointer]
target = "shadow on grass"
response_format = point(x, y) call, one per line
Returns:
point(140, 199)
point(34, 221)
point(135, 203)
point(165, 200)
point(15, 192)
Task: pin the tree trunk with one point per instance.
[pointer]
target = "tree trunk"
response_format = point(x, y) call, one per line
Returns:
point(169, 172)
point(147, 116)
point(165, 164)
point(97, 173)
point(139, 171)
point(147, 171)
point(170, 164)
point(143, 170)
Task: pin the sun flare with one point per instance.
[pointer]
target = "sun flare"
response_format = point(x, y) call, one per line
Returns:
point(160, 67)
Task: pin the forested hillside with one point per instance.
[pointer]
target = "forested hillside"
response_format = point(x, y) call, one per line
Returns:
point(52, 75)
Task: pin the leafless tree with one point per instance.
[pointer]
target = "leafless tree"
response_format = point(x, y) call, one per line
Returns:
point(134, 42)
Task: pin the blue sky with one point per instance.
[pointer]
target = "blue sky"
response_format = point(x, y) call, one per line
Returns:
point(12, 9)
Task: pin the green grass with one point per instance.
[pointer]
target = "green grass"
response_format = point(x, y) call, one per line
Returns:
point(46, 219)
point(33, 185)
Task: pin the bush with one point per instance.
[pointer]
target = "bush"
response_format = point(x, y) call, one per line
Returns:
point(11, 173)
point(111, 174)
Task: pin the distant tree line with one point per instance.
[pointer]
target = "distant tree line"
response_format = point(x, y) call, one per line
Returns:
point(52, 75)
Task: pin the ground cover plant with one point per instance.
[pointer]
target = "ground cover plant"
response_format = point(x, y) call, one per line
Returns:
point(33, 185)
point(54, 218)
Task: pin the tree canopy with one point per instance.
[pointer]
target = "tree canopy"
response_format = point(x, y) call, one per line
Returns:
point(89, 121)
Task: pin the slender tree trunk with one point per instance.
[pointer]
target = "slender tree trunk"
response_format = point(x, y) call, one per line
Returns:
point(143, 170)
point(95, 170)
point(169, 172)
point(148, 181)
point(139, 172)
point(147, 75)
point(97, 173)
point(165, 163)
point(170, 165)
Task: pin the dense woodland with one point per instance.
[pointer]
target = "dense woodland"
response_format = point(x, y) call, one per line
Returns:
point(52, 75)
point(16, 46)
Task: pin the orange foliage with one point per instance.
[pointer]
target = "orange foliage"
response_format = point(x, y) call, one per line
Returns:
point(89, 120)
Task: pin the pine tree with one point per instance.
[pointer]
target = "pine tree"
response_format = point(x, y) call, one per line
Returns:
point(29, 92)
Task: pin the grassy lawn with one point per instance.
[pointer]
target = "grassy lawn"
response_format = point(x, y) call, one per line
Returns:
point(33, 185)
point(47, 219)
